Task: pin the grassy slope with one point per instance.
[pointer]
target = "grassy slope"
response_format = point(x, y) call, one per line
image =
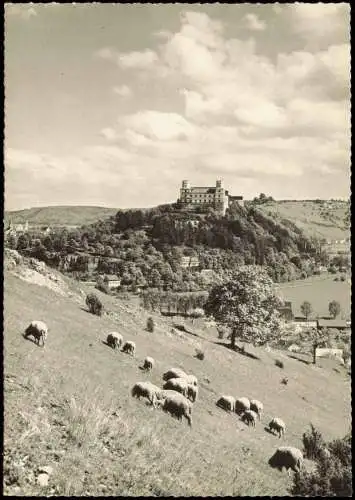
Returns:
point(311, 217)
point(319, 291)
point(63, 396)
point(60, 215)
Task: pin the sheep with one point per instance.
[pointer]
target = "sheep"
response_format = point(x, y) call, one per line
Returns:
point(148, 390)
point(177, 384)
point(257, 407)
point(277, 425)
point(288, 457)
point(249, 417)
point(192, 392)
point(176, 404)
point(148, 363)
point(174, 373)
point(114, 340)
point(129, 347)
point(227, 403)
point(39, 330)
point(242, 405)
point(191, 379)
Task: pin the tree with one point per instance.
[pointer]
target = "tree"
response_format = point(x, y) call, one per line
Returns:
point(247, 305)
point(306, 309)
point(94, 304)
point(334, 308)
point(318, 337)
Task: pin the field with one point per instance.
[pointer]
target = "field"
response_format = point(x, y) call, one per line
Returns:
point(68, 405)
point(61, 215)
point(320, 220)
point(319, 291)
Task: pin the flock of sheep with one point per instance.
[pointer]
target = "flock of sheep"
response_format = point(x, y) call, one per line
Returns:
point(180, 391)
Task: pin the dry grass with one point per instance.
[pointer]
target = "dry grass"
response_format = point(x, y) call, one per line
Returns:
point(69, 406)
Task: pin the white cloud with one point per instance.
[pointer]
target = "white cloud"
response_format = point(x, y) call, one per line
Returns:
point(137, 60)
point(253, 22)
point(157, 125)
point(122, 90)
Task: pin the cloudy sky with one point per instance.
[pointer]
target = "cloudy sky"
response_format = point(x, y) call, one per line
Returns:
point(114, 105)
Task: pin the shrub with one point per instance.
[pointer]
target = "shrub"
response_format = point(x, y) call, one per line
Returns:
point(200, 354)
point(94, 304)
point(342, 277)
point(279, 363)
point(332, 475)
point(102, 285)
point(150, 324)
point(313, 443)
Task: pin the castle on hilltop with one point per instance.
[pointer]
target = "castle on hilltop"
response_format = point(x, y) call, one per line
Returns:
point(202, 198)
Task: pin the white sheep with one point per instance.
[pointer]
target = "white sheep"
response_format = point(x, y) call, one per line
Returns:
point(114, 339)
point(174, 373)
point(257, 406)
point(241, 405)
point(148, 363)
point(177, 384)
point(249, 417)
point(191, 379)
point(176, 404)
point(192, 392)
point(129, 347)
point(38, 329)
point(227, 403)
point(146, 389)
point(277, 425)
point(288, 457)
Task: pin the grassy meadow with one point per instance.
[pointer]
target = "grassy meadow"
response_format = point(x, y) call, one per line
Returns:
point(319, 291)
point(68, 405)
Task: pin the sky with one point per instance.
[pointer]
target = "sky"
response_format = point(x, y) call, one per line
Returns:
point(114, 105)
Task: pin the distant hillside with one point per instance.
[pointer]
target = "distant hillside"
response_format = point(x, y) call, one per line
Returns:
point(317, 218)
point(60, 215)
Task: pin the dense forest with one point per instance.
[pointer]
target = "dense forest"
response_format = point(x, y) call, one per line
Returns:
point(146, 248)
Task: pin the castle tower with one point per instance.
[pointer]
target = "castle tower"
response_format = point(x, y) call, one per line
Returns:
point(184, 191)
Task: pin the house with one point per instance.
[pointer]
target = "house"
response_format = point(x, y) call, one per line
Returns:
point(112, 281)
point(339, 324)
point(286, 311)
point(303, 323)
point(190, 262)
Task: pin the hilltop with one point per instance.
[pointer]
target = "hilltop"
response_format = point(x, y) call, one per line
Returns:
point(316, 218)
point(60, 215)
point(68, 405)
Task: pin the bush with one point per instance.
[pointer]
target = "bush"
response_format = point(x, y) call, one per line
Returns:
point(94, 304)
point(313, 443)
point(279, 363)
point(150, 324)
point(342, 277)
point(102, 285)
point(200, 354)
point(333, 474)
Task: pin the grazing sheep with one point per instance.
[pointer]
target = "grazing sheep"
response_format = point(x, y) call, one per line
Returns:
point(277, 425)
point(146, 389)
point(242, 405)
point(177, 384)
point(249, 417)
point(114, 340)
point(191, 379)
point(176, 404)
point(257, 406)
point(288, 457)
point(148, 363)
point(174, 373)
point(227, 403)
point(192, 392)
point(129, 347)
point(38, 329)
